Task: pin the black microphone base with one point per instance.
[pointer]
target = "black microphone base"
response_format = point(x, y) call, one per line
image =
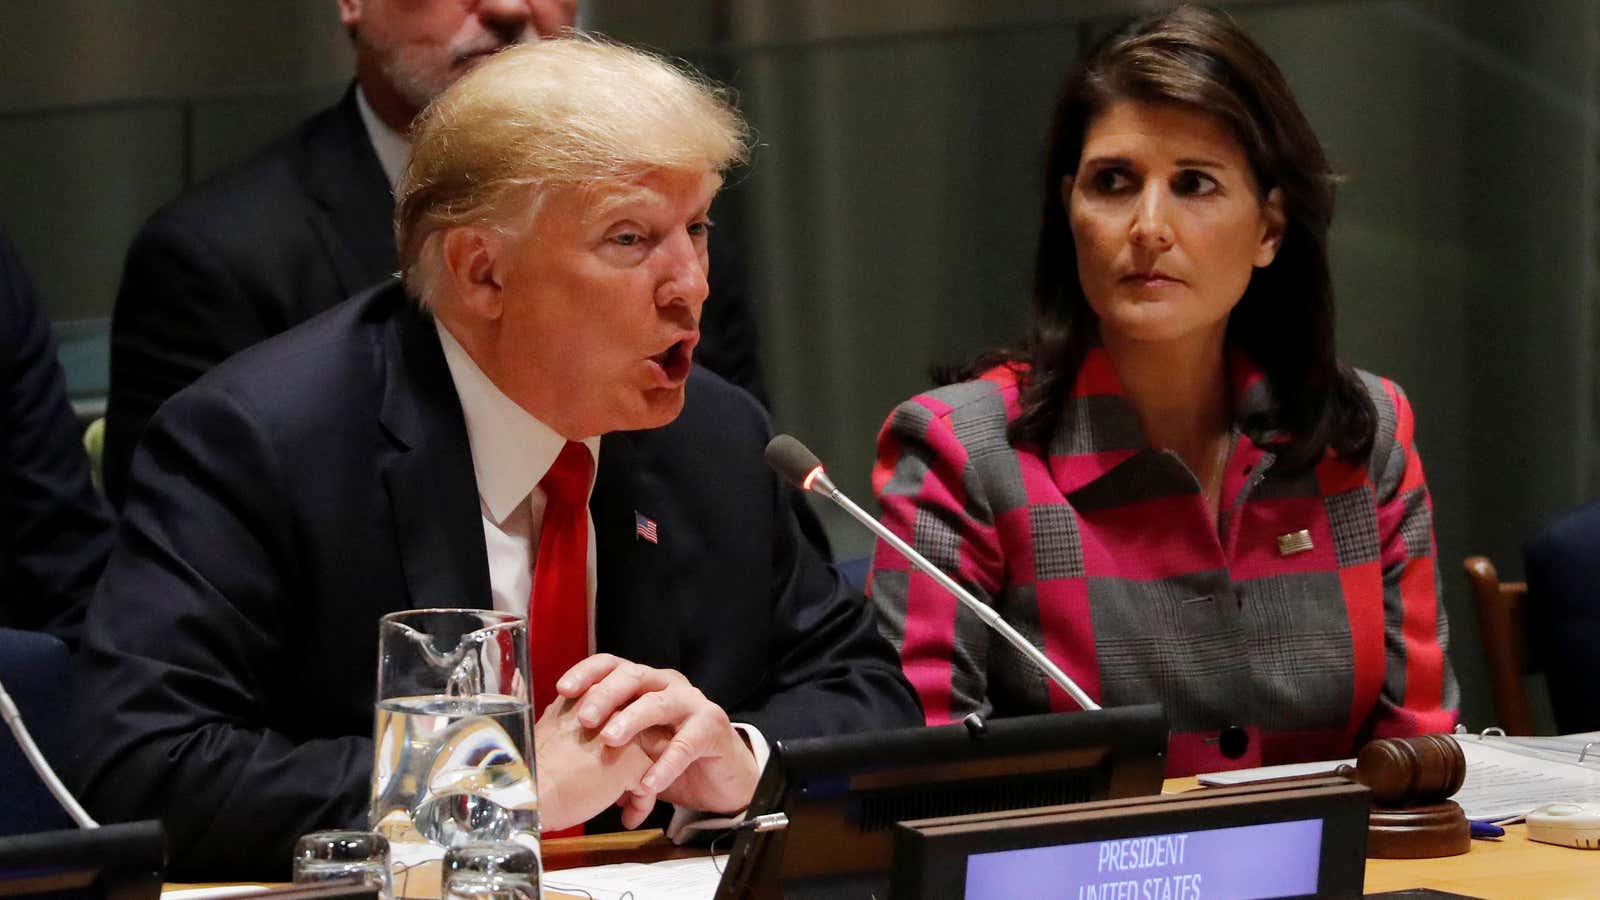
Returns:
point(114, 862)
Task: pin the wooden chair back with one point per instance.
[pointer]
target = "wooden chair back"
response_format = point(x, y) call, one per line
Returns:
point(1502, 626)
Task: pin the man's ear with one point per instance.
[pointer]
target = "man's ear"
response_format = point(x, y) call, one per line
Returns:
point(469, 265)
point(1272, 234)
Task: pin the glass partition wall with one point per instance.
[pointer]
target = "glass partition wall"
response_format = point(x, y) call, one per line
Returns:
point(887, 221)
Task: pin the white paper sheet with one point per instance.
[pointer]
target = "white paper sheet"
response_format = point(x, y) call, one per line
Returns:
point(1509, 777)
point(1564, 748)
point(215, 893)
point(1267, 773)
point(414, 853)
point(675, 879)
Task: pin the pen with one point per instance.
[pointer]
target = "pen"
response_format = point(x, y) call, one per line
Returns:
point(1485, 829)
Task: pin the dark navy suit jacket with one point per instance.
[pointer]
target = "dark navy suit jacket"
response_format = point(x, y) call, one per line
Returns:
point(293, 495)
point(55, 529)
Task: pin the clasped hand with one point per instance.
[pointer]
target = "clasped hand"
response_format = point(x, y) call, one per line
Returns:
point(627, 734)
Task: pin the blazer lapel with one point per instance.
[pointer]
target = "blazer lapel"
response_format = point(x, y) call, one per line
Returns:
point(432, 490)
point(631, 574)
point(342, 176)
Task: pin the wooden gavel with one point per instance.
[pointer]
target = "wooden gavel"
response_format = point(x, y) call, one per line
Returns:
point(1411, 780)
point(1413, 771)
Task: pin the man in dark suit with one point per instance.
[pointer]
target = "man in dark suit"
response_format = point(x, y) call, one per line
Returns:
point(398, 452)
point(55, 530)
point(307, 223)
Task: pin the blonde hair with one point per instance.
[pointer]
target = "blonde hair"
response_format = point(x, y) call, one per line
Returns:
point(572, 111)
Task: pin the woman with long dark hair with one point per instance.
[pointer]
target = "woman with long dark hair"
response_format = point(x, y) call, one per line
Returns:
point(1173, 487)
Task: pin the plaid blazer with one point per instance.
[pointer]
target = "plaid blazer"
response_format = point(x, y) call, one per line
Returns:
point(1100, 551)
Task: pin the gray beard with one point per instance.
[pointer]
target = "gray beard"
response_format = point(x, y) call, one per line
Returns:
point(417, 86)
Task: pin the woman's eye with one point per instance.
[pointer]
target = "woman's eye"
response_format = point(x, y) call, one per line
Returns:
point(1193, 183)
point(1110, 181)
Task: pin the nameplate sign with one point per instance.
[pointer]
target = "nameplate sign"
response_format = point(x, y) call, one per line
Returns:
point(1304, 839)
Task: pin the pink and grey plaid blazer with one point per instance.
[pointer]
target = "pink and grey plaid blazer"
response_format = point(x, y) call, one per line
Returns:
point(1100, 551)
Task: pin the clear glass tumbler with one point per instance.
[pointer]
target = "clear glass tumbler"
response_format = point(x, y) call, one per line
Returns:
point(453, 739)
point(490, 871)
point(339, 855)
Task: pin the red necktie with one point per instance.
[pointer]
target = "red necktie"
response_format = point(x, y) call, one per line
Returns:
point(558, 610)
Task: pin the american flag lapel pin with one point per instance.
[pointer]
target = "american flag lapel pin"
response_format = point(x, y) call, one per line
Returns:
point(1294, 542)
point(644, 528)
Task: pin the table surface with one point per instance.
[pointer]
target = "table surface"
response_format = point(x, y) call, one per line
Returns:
point(1511, 867)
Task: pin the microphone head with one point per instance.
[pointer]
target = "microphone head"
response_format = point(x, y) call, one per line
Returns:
point(793, 461)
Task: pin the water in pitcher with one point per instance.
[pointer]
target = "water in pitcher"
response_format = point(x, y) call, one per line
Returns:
point(453, 769)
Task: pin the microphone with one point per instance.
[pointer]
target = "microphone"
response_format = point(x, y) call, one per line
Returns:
point(30, 750)
point(801, 468)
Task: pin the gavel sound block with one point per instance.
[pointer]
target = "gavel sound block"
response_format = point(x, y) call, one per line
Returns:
point(1411, 780)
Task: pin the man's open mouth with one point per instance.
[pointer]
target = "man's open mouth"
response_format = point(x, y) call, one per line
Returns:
point(675, 360)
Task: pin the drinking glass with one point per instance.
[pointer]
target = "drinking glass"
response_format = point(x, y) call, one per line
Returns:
point(453, 742)
point(490, 871)
point(339, 855)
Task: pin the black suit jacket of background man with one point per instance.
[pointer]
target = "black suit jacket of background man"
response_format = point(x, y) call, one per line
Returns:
point(292, 496)
point(55, 530)
point(291, 233)
point(1563, 568)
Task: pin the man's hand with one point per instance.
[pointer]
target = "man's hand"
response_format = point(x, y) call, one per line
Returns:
point(579, 774)
point(700, 760)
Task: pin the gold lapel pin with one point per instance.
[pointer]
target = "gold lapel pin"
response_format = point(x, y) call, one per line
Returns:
point(1294, 542)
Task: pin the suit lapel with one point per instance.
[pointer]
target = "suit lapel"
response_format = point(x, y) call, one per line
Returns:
point(432, 490)
point(343, 178)
point(631, 574)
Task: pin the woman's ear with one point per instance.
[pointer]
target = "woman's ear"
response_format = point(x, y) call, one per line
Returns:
point(1272, 226)
point(469, 262)
point(1066, 192)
